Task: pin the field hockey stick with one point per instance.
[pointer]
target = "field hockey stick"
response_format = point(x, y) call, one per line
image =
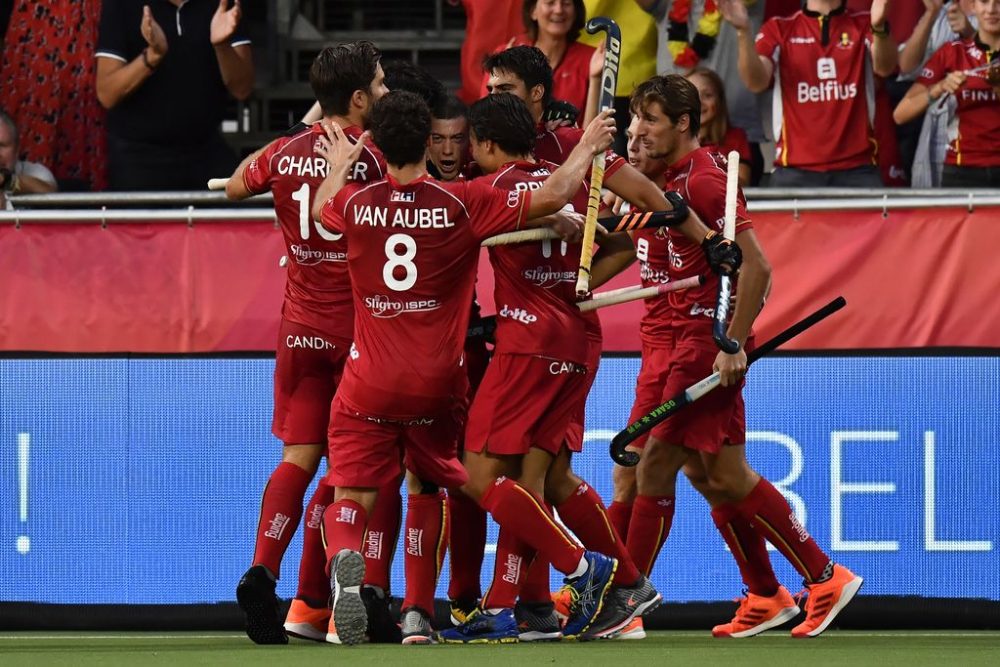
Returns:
point(647, 422)
point(217, 183)
point(725, 343)
point(609, 82)
point(626, 222)
point(637, 292)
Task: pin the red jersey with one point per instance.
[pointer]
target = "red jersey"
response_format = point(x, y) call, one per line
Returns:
point(824, 89)
point(570, 78)
point(535, 283)
point(653, 252)
point(412, 256)
point(974, 137)
point(735, 140)
point(700, 177)
point(555, 146)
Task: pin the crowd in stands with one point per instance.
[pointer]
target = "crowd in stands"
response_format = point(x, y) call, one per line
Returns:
point(129, 94)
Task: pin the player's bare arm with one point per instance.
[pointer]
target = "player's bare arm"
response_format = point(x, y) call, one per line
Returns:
point(616, 253)
point(751, 289)
point(236, 189)
point(564, 181)
point(341, 155)
point(885, 51)
point(630, 184)
point(755, 70)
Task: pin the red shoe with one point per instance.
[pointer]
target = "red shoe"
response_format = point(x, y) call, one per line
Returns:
point(306, 622)
point(757, 613)
point(826, 600)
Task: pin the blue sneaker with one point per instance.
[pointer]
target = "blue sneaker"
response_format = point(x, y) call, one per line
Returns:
point(482, 628)
point(587, 591)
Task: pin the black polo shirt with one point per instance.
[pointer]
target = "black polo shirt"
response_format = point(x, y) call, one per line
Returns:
point(183, 101)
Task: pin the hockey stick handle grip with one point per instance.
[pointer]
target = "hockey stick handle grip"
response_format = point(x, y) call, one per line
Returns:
point(217, 183)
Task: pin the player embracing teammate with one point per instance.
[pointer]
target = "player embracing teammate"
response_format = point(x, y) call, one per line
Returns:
point(707, 439)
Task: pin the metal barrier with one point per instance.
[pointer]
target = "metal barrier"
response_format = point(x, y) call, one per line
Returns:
point(213, 206)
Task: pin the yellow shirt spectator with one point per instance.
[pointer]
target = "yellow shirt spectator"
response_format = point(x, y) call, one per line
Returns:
point(638, 57)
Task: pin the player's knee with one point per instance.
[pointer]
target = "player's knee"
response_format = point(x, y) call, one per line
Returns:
point(625, 484)
point(306, 457)
point(560, 486)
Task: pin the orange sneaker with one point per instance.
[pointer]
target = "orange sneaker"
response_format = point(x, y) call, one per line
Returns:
point(826, 600)
point(757, 613)
point(305, 622)
point(561, 600)
point(634, 630)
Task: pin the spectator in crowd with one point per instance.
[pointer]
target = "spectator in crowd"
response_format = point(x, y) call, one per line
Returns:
point(969, 71)
point(448, 145)
point(18, 176)
point(693, 34)
point(164, 70)
point(47, 86)
point(553, 26)
point(924, 140)
point(817, 61)
point(487, 23)
point(636, 62)
point(716, 132)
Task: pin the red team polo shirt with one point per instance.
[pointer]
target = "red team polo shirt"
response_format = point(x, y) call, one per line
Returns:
point(555, 146)
point(652, 251)
point(974, 138)
point(317, 291)
point(412, 256)
point(535, 283)
point(699, 177)
point(824, 89)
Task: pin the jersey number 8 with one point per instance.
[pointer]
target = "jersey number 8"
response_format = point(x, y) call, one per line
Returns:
point(396, 260)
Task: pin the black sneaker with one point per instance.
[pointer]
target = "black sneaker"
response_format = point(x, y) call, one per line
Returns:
point(256, 597)
point(382, 627)
point(537, 622)
point(621, 605)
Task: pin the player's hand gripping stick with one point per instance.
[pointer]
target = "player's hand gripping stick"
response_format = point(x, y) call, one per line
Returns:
point(726, 273)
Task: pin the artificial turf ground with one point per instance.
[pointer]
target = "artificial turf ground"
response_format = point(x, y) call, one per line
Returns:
point(884, 649)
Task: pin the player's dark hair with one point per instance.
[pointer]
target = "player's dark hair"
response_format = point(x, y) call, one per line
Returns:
point(400, 125)
point(450, 108)
point(338, 71)
point(676, 96)
point(505, 120)
point(404, 75)
point(527, 63)
point(531, 25)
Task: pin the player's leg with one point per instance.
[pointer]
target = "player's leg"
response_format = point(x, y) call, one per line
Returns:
point(653, 511)
point(304, 383)
point(364, 457)
point(425, 541)
point(381, 538)
point(582, 510)
point(831, 586)
point(766, 604)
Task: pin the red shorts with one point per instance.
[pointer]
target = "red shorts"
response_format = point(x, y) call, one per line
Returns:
point(366, 452)
point(713, 421)
point(307, 370)
point(524, 401)
point(574, 434)
point(477, 359)
point(649, 385)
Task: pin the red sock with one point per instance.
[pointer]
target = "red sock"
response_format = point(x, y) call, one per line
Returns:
point(519, 510)
point(509, 570)
point(583, 513)
point(648, 529)
point(314, 585)
point(382, 536)
point(467, 541)
point(620, 515)
point(280, 511)
point(536, 582)
point(343, 528)
point(426, 542)
point(748, 548)
point(769, 514)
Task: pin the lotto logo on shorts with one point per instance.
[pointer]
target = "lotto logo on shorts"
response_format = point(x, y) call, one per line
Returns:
point(517, 314)
point(414, 542)
point(347, 515)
